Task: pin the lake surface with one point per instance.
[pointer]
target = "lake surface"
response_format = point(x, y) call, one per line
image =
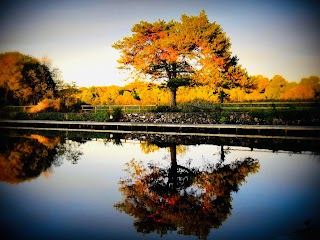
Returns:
point(74, 186)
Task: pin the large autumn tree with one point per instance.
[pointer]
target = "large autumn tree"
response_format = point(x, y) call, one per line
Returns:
point(25, 79)
point(178, 53)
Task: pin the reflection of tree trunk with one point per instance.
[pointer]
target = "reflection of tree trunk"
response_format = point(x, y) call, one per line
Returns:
point(172, 181)
point(223, 155)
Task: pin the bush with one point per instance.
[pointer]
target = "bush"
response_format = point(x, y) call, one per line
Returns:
point(263, 114)
point(17, 115)
point(101, 116)
point(223, 119)
point(117, 114)
point(48, 116)
point(74, 116)
point(46, 105)
point(71, 106)
point(165, 108)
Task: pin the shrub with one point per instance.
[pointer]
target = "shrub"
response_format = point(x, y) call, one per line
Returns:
point(165, 108)
point(101, 116)
point(46, 105)
point(117, 114)
point(263, 114)
point(71, 106)
point(223, 119)
point(48, 116)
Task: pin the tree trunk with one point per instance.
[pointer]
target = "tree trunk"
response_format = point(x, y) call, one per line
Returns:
point(173, 97)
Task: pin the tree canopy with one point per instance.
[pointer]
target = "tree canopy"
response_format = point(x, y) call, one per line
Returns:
point(192, 51)
point(25, 79)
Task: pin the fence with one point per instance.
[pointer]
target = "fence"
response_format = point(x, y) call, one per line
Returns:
point(243, 106)
point(269, 106)
point(124, 108)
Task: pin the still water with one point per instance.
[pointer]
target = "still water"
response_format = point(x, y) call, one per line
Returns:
point(57, 186)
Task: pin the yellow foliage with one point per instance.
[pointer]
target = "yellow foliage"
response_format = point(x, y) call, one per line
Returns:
point(147, 147)
point(152, 94)
point(237, 94)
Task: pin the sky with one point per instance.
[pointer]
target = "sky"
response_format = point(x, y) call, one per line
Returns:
point(269, 37)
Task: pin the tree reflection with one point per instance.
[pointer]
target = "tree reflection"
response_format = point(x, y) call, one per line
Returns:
point(23, 159)
point(189, 200)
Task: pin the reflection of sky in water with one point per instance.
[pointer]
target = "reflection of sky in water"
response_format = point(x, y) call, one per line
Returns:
point(77, 200)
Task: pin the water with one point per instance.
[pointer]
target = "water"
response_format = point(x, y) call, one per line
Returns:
point(58, 186)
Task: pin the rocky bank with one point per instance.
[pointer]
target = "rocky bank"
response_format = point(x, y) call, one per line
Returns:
point(216, 118)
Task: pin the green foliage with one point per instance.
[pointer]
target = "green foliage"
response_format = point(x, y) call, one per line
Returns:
point(4, 114)
point(136, 96)
point(67, 94)
point(223, 119)
point(117, 114)
point(73, 117)
point(48, 116)
point(166, 108)
point(265, 115)
point(174, 83)
point(189, 108)
point(101, 116)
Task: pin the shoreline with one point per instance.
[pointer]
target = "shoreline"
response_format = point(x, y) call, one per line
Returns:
point(285, 118)
point(207, 130)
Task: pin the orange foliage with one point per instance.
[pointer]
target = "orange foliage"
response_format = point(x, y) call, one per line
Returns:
point(47, 172)
point(45, 104)
point(298, 93)
point(12, 165)
point(50, 143)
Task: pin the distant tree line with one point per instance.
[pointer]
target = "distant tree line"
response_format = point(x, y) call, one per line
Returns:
point(264, 89)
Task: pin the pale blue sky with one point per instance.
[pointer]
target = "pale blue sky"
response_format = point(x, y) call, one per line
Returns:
point(269, 37)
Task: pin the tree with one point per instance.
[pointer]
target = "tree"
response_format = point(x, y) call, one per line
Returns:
point(68, 95)
point(181, 53)
point(276, 87)
point(312, 82)
point(24, 79)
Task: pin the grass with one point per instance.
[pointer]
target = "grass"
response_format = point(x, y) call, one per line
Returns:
point(265, 116)
point(99, 116)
